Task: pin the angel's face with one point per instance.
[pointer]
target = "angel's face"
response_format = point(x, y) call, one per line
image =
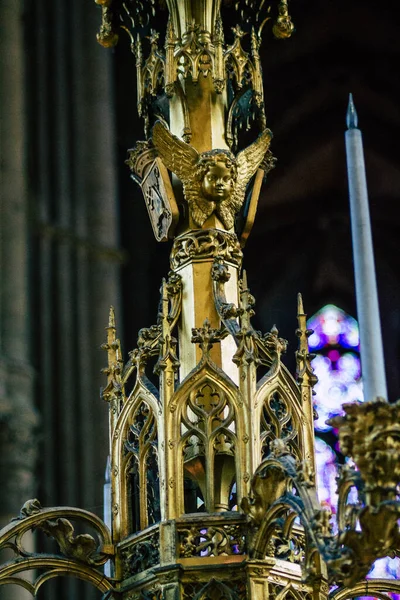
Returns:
point(218, 183)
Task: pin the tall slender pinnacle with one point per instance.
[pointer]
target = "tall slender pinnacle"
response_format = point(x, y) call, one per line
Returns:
point(300, 309)
point(111, 317)
point(371, 348)
point(351, 115)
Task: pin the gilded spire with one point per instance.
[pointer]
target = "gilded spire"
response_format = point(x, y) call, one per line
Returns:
point(114, 387)
point(304, 371)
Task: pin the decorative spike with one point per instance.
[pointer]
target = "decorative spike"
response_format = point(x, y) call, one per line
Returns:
point(111, 317)
point(300, 309)
point(351, 115)
point(304, 370)
point(114, 355)
point(302, 331)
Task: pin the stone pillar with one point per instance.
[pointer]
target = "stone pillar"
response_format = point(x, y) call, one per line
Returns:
point(77, 260)
point(18, 418)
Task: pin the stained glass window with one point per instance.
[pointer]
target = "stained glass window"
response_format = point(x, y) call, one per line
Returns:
point(337, 365)
point(335, 342)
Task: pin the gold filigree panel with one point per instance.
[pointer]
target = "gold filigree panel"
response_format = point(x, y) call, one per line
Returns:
point(134, 464)
point(278, 422)
point(142, 471)
point(278, 415)
point(209, 443)
point(208, 421)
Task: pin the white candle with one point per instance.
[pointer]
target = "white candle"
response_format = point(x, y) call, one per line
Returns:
point(371, 349)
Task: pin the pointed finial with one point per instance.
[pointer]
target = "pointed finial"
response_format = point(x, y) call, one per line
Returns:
point(274, 330)
point(351, 116)
point(244, 279)
point(111, 317)
point(300, 309)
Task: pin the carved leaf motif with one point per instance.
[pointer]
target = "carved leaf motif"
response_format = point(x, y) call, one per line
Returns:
point(211, 541)
point(141, 556)
point(82, 547)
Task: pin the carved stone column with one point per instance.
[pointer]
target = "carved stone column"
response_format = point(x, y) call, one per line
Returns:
point(18, 418)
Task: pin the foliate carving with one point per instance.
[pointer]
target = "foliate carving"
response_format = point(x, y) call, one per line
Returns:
point(268, 484)
point(213, 181)
point(82, 547)
point(290, 547)
point(148, 345)
point(203, 244)
point(274, 343)
point(227, 311)
point(142, 555)
point(206, 337)
point(247, 351)
point(220, 271)
point(369, 433)
point(212, 541)
point(156, 340)
point(79, 555)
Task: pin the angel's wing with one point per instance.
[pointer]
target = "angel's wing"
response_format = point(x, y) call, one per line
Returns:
point(200, 209)
point(181, 159)
point(178, 157)
point(248, 161)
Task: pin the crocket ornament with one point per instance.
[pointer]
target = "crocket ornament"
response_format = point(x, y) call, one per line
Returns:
point(213, 181)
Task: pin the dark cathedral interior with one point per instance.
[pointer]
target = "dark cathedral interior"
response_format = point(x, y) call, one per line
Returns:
point(75, 234)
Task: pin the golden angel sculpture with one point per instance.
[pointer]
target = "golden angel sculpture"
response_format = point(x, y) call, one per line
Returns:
point(213, 181)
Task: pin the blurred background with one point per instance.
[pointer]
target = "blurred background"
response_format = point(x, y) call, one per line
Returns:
point(75, 235)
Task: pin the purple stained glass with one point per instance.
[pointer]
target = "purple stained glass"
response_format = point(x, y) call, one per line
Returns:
point(326, 463)
point(386, 568)
point(337, 364)
point(332, 326)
